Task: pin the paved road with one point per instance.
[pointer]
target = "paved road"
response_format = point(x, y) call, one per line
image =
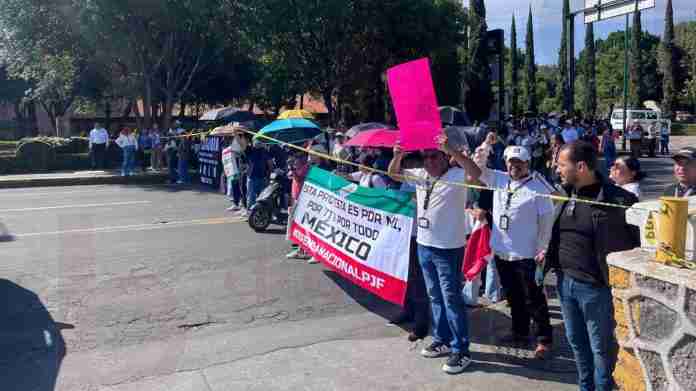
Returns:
point(157, 288)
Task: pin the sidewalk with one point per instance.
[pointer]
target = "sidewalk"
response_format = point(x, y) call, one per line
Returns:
point(75, 178)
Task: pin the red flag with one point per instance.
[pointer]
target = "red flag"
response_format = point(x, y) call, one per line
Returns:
point(478, 251)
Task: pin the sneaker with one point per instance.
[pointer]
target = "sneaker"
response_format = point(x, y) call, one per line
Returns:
point(233, 208)
point(435, 350)
point(456, 363)
point(312, 261)
point(293, 254)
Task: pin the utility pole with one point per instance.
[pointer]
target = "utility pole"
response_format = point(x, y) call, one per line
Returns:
point(625, 86)
point(571, 63)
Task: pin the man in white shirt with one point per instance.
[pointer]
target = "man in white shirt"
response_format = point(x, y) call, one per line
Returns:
point(98, 144)
point(442, 230)
point(569, 133)
point(521, 231)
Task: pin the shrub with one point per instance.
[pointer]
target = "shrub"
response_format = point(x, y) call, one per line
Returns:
point(36, 155)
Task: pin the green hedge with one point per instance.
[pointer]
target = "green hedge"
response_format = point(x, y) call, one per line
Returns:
point(683, 129)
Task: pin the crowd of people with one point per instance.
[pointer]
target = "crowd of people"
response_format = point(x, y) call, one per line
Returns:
point(531, 235)
point(146, 149)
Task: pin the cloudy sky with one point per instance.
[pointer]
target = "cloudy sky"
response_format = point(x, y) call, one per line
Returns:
point(547, 22)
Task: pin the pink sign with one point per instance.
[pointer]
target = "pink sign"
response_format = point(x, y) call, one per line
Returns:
point(415, 104)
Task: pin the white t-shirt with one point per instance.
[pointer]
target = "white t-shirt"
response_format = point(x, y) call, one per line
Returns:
point(446, 213)
point(369, 180)
point(569, 135)
point(633, 187)
point(521, 239)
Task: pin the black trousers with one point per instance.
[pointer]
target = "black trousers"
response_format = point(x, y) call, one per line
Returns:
point(417, 305)
point(527, 299)
point(99, 156)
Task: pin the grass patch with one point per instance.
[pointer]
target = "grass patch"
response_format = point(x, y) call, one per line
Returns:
point(682, 129)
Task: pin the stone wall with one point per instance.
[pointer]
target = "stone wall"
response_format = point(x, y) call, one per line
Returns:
point(655, 311)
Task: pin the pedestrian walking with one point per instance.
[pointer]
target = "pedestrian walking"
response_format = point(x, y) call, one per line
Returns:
point(583, 235)
point(98, 145)
point(521, 231)
point(129, 145)
point(441, 237)
point(651, 138)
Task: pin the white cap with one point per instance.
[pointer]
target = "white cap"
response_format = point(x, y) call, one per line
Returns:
point(515, 152)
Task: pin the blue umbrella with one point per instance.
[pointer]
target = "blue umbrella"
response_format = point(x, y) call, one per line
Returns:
point(291, 130)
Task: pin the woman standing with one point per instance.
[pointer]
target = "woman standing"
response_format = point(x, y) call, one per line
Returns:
point(626, 173)
point(129, 145)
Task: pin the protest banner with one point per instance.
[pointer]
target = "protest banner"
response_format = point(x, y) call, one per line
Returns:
point(415, 104)
point(362, 233)
point(209, 161)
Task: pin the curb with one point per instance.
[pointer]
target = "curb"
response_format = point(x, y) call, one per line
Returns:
point(84, 181)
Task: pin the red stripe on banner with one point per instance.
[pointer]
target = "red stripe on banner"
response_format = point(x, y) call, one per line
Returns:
point(381, 284)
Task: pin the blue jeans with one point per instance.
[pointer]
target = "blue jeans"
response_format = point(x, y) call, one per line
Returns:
point(254, 188)
point(493, 290)
point(588, 312)
point(128, 160)
point(443, 279)
point(183, 171)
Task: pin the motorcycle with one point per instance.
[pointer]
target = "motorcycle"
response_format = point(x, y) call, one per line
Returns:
point(269, 206)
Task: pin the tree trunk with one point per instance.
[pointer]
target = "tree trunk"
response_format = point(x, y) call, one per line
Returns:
point(327, 95)
point(302, 102)
point(107, 113)
point(147, 103)
point(182, 109)
point(136, 111)
point(167, 110)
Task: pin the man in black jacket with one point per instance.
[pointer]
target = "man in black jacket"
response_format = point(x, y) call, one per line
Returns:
point(582, 237)
point(685, 173)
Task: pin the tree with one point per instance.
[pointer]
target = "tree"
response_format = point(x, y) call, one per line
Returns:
point(479, 97)
point(668, 62)
point(42, 46)
point(636, 89)
point(609, 71)
point(563, 91)
point(514, 71)
point(590, 75)
point(530, 80)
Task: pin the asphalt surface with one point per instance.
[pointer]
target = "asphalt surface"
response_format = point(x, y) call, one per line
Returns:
point(129, 287)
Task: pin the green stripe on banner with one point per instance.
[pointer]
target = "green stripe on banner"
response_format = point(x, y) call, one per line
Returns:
point(390, 201)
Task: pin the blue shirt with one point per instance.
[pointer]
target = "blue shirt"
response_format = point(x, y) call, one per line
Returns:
point(145, 141)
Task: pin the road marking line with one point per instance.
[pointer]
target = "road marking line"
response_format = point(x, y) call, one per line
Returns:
point(75, 206)
point(27, 194)
point(135, 227)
